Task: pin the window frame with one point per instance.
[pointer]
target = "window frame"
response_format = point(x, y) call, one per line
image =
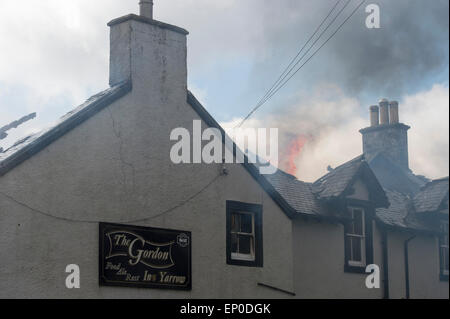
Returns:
point(362, 237)
point(442, 244)
point(252, 235)
point(367, 253)
point(243, 259)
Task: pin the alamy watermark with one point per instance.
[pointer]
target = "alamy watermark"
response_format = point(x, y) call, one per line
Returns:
point(73, 279)
point(373, 280)
point(214, 146)
point(373, 19)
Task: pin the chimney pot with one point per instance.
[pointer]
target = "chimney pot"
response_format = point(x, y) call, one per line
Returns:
point(374, 115)
point(146, 8)
point(393, 112)
point(384, 112)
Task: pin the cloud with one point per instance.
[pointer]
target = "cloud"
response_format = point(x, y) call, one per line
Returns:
point(427, 113)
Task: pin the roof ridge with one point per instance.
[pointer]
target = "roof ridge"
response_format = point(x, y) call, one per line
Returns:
point(360, 158)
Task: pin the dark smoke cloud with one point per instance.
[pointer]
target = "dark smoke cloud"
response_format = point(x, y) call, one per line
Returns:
point(410, 47)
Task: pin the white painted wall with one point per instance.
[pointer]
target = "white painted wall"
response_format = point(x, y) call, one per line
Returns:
point(115, 167)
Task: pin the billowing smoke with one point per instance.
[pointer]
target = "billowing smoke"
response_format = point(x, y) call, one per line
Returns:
point(409, 50)
point(328, 100)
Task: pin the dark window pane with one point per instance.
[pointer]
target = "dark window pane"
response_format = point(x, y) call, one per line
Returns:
point(356, 249)
point(446, 258)
point(235, 222)
point(234, 243)
point(246, 223)
point(245, 244)
point(348, 246)
point(358, 222)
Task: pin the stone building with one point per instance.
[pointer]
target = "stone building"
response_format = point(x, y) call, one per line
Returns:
point(69, 194)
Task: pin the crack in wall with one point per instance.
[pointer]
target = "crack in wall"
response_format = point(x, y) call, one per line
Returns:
point(122, 161)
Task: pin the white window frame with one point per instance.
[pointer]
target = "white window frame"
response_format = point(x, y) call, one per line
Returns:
point(252, 255)
point(351, 262)
point(443, 244)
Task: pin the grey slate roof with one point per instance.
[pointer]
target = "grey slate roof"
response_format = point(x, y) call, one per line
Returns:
point(298, 194)
point(431, 196)
point(336, 182)
point(32, 144)
point(311, 199)
point(401, 214)
point(395, 178)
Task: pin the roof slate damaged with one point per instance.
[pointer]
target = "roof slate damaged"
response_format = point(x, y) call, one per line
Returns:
point(32, 144)
point(297, 193)
point(431, 196)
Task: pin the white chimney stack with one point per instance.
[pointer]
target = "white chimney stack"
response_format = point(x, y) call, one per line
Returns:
point(149, 53)
point(146, 8)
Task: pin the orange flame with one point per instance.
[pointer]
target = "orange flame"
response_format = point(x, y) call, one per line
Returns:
point(293, 152)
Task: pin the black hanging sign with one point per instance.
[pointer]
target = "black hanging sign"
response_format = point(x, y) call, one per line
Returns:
point(135, 256)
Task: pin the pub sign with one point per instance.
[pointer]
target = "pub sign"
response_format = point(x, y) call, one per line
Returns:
point(136, 256)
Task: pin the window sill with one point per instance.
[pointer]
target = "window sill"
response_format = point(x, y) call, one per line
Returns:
point(245, 263)
point(242, 257)
point(355, 269)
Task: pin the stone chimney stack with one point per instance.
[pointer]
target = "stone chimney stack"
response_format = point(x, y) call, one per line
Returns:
point(374, 115)
point(149, 53)
point(389, 137)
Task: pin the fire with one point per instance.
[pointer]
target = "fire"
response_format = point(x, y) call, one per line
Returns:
point(293, 152)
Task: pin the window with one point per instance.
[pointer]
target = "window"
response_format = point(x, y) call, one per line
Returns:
point(355, 238)
point(244, 234)
point(358, 237)
point(443, 250)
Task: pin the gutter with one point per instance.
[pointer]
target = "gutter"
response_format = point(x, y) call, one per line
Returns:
point(407, 265)
point(384, 245)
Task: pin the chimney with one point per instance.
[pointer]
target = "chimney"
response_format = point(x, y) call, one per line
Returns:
point(374, 115)
point(146, 9)
point(384, 111)
point(149, 53)
point(389, 139)
point(393, 112)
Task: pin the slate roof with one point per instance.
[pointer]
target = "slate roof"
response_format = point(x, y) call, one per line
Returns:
point(338, 181)
point(431, 196)
point(32, 144)
point(395, 178)
point(400, 213)
point(298, 194)
point(311, 198)
point(335, 183)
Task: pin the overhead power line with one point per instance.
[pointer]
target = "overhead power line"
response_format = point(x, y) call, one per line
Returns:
point(282, 81)
point(289, 67)
point(315, 52)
